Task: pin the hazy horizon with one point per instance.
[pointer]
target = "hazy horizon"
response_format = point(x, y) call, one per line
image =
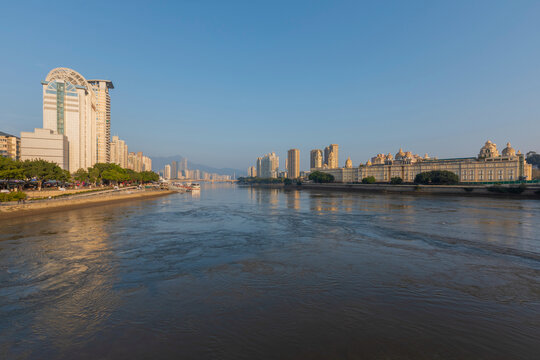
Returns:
point(222, 83)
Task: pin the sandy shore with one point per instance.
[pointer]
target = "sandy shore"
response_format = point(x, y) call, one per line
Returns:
point(46, 206)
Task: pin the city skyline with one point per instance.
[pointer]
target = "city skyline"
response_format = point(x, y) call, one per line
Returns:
point(440, 78)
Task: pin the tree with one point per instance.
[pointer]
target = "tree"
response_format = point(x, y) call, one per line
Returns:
point(81, 175)
point(321, 177)
point(396, 180)
point(42, 170)
point(369, 180)
point(148, 176)
point(10, 169)
point(437, 177)
point(533, 158)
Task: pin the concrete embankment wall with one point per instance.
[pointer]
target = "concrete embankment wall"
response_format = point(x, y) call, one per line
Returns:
point(465, 190)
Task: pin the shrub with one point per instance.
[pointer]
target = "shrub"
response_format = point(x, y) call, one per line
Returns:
point(287, 181)
point(369, 180)
point(12, 196)
point(507, 190)
point(437, 177)
point(320, 177)
point(396, 180)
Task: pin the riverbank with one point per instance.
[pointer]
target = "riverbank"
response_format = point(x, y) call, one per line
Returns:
point(14, 210)
point(530, 192)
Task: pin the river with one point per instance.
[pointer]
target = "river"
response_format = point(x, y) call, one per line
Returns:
point(246, 273)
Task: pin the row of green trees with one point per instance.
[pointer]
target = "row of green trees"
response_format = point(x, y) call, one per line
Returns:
point(435, 177)
point(41, 171)
point(321, 177)
point(103, 173)
point(258, 180)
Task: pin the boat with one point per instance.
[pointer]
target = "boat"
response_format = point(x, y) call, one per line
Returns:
point(179, 187)
point(195, 186)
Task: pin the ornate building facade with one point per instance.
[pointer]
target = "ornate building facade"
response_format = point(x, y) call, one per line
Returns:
point(488, 166)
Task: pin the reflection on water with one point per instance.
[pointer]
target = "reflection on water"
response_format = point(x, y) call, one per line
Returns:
point(236, 272)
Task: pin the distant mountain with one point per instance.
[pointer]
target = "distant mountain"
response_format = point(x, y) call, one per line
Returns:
point(158, 163)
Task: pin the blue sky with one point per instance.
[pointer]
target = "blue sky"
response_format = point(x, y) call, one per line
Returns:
point(223, 82)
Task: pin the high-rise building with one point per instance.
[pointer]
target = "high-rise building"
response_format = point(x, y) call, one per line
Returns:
point(174, 170)
point(10, 146)
point(252, 171)
point(293, 163)
point(331, 156)
point(316, 159)
point(167, 172)
point(119, 152)
point(146, 163)
point(258, 169)
point(137, 162)
point(103, 118)
point(269, 166)
point(70, 107)
point(45, 144)
point(183, 164)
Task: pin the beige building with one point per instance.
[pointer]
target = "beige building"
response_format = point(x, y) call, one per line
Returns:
point(47, 145)
point(71, 107)
point(103, 118)
point(252, 171)
point(146, 163)
point(331, 156)
point(293, 163)
point(138, 162)
point(119, 152)
point(488, 166)
point(167, 172)
point(10, 146)
point(316, 159)
point(268, 166)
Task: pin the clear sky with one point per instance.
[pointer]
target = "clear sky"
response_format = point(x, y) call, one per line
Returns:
point(223, 82)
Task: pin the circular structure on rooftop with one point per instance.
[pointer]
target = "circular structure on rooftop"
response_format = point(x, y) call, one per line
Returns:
point(67, 75)
point(489, 150)
point(509, 150)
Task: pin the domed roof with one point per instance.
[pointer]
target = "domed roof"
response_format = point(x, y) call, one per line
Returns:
point(389, 157)
point(400, 154)
point(368, 163)
point(348, 163)
point(508, 150)
point(488, 150)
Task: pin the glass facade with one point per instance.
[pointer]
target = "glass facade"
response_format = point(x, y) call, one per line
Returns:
point(60, 107)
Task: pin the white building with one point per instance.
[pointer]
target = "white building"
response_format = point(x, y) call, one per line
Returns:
point(47, 145)
point(103, 118)
point(268, 165)
point(71, 108)
point(167, 172)
point(119, 152)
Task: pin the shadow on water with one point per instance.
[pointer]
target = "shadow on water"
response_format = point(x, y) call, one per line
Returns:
point(238, 272)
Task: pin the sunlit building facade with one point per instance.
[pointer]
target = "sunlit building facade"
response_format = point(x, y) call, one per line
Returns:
point(488, 166)
point(293, 163)
point(10, 146)
point(103, 118)
point(331, 156)
point(315, 159)
point(72, 108)
point(119, 152)
point(45, 144)
point(269, 166)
